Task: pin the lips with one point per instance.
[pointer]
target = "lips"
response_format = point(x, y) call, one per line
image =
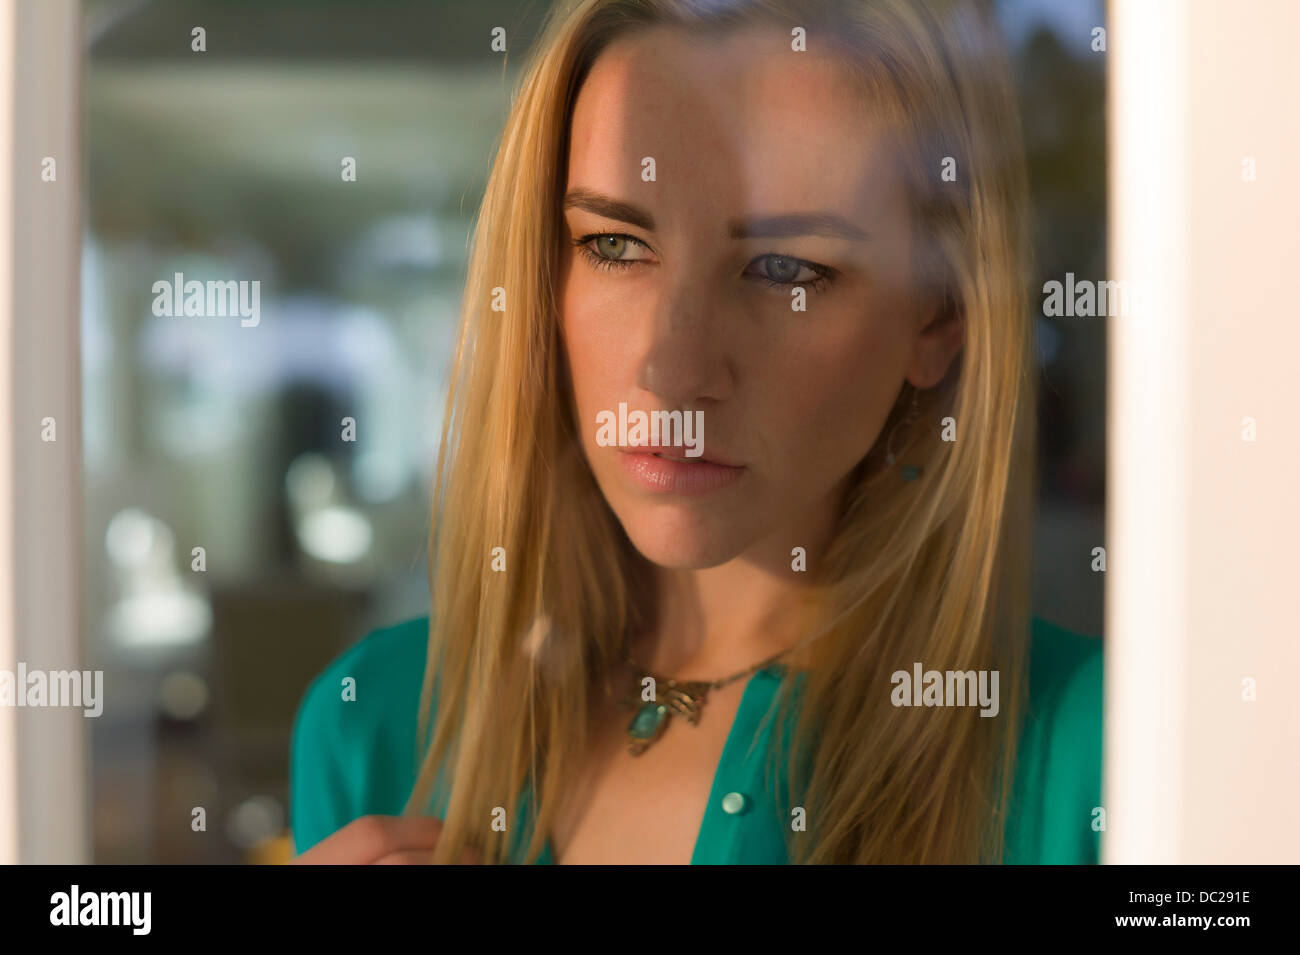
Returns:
point(655, 471)
point(676, 452)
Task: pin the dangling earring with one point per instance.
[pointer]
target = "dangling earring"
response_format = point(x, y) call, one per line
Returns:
point(909, 472)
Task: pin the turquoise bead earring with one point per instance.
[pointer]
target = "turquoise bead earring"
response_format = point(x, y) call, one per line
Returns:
point(909, 472)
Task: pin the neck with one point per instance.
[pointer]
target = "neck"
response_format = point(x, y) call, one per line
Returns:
point(717, 621)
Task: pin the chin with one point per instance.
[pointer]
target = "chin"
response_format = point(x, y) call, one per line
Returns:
point(680, 538)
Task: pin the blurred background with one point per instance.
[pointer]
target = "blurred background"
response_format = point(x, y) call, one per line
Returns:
point(206, 434)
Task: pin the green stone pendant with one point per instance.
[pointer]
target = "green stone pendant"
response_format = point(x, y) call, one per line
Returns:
point(651, 717)
point(646, 725)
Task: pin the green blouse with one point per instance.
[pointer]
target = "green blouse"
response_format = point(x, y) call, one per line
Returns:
point(356, 757)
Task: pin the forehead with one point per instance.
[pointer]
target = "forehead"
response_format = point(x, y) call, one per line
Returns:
point(737, 120)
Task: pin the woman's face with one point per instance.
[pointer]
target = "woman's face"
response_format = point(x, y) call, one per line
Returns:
point(722, 174)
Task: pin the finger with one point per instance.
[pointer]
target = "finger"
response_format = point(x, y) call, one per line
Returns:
point(370, 838)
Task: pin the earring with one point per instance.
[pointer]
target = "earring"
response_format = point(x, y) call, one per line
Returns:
point(909, 472)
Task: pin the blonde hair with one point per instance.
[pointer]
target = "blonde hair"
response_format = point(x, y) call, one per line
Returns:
point(932, 570)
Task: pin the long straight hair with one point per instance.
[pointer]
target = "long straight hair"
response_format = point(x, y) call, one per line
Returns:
point(534, 584)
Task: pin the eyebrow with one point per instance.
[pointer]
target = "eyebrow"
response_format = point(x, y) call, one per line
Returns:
point(765, 227)
point(597, 204)
point(797, 223)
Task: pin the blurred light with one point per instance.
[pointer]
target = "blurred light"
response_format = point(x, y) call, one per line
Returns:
point(160, 619)
point(132, 536)
point(310, 481)
point(398, 242)
point(301, 338)
point(254, 821)
point(156, 608)
point(183, 695)
point(338, 534)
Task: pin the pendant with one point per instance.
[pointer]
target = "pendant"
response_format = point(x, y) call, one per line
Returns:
point(683, 698)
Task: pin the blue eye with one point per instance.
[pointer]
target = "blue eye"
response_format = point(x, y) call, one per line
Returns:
point(784, 271)
point(781, 269)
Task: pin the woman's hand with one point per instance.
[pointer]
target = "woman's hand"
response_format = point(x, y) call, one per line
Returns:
point(381, 840)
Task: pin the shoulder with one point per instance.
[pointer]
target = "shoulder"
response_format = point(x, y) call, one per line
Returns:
point(1058, 767)
point(352, 750)
point(381, 655)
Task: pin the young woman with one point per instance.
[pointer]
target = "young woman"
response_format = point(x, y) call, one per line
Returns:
point(791, 626)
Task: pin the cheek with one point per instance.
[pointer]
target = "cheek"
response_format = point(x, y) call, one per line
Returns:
point(834, 390)
point(596, 346)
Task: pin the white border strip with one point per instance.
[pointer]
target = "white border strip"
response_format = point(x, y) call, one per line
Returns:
point(44, 808)
point(1147, 425)
point(8, 646)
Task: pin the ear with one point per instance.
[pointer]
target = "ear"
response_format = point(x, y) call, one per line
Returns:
point(938, 341)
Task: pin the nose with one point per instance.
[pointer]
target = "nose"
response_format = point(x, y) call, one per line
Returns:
point(686, 361)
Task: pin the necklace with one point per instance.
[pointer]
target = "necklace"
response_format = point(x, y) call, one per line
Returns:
point(681, 697)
